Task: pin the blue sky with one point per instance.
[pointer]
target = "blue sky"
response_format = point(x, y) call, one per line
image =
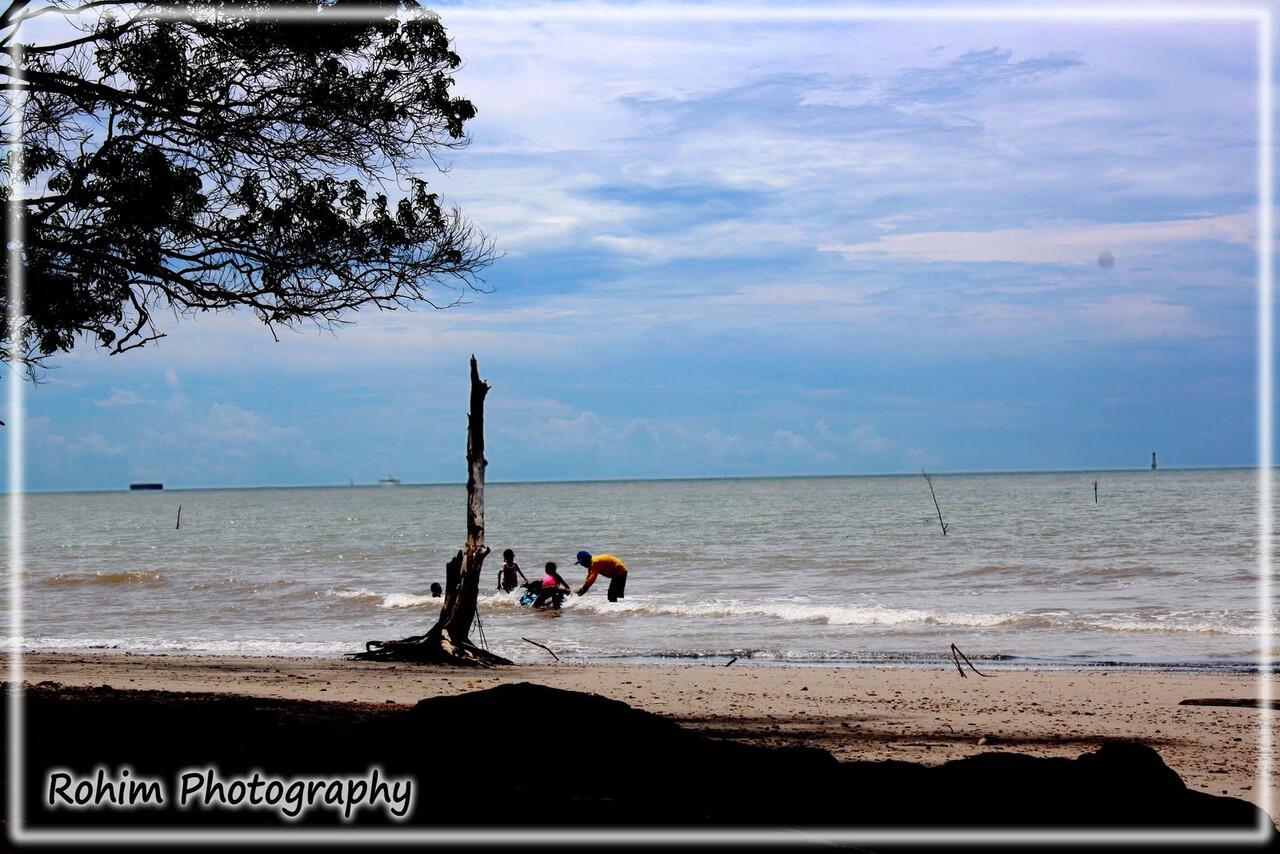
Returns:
point(764, 248)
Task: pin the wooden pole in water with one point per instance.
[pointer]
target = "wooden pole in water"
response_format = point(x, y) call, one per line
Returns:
point(929, 480)
point(1095, 492)
point(179, 525)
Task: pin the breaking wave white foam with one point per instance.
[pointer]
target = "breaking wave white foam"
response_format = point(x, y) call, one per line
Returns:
point(842, 615)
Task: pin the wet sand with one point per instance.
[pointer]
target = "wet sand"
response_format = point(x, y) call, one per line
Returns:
point(919, 715)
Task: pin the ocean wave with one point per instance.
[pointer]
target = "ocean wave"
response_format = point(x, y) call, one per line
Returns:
point(1084, 573)
point(132, 576)
point(414, 600)
point(831, 614)
point(502, 601)
point(878, 615)
point(383, 600)
point(361, 595)
point(1171, 624)
point(1178, 622)
point(408, 600)
point(835, 615)
point(236, 583)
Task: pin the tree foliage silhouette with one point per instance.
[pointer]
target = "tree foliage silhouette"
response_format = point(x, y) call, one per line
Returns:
point(210, 156)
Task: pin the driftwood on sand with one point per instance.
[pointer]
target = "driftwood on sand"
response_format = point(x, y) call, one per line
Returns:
point(1232, 702)
point(448, 641)
point(544, 646)
point(956, 655)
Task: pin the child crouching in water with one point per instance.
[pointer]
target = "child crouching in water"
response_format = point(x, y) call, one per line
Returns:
point(553, 588)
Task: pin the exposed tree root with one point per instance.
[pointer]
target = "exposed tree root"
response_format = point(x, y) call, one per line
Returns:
point(423, 650)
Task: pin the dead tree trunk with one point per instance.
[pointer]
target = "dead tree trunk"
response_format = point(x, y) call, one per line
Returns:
point(448, 641)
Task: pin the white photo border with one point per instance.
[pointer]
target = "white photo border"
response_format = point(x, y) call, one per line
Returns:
point(1259, 13)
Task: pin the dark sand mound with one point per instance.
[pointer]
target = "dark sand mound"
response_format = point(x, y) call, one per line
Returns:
point(525, 754)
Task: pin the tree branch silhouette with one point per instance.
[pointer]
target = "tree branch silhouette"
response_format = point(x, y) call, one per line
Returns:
point(220, 160)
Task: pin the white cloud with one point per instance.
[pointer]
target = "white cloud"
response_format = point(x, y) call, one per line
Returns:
point(1047, 245)
point(582, 431)
point(919, 457)
point(95, 443)
point(791, 441)
point(1141, 317)
point(119, 397)
point(227, 422)
point(868, 441)
point(40, 432)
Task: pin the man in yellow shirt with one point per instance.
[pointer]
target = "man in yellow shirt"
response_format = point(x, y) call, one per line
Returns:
point(608, 566)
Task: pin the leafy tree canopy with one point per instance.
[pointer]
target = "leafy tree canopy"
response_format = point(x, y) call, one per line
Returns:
point(209, 156)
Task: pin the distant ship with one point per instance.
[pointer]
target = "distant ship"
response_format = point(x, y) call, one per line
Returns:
point(388, 480)
point(140, 486)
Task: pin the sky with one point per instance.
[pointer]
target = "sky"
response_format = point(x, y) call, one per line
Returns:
point(763, 247)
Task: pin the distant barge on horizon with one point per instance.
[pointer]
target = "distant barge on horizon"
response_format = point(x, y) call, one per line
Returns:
point(388, 481)
point(145, 486)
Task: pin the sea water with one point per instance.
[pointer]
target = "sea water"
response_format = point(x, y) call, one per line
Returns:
point(1163, 568)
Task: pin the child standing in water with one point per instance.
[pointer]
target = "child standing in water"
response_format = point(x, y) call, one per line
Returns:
point(507, 574)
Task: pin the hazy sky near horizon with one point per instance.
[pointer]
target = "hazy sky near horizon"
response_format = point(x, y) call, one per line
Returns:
point(764, 248)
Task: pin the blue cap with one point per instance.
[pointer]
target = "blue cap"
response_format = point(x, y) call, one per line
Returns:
point(584, 557)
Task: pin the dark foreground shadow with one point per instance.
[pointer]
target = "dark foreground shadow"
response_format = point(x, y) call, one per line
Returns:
point(528, 755)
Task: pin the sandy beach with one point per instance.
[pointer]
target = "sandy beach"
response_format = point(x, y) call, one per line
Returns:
point(928, 715)
point(649, 464)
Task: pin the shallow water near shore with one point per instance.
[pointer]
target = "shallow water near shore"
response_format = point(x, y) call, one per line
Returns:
point(1161, 570)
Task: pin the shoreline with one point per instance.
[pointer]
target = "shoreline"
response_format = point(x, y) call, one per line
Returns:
point(889, 661)
point(999, 662)
point(923, 714)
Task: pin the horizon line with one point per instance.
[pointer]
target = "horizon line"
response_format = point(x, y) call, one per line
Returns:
point(662, 479)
